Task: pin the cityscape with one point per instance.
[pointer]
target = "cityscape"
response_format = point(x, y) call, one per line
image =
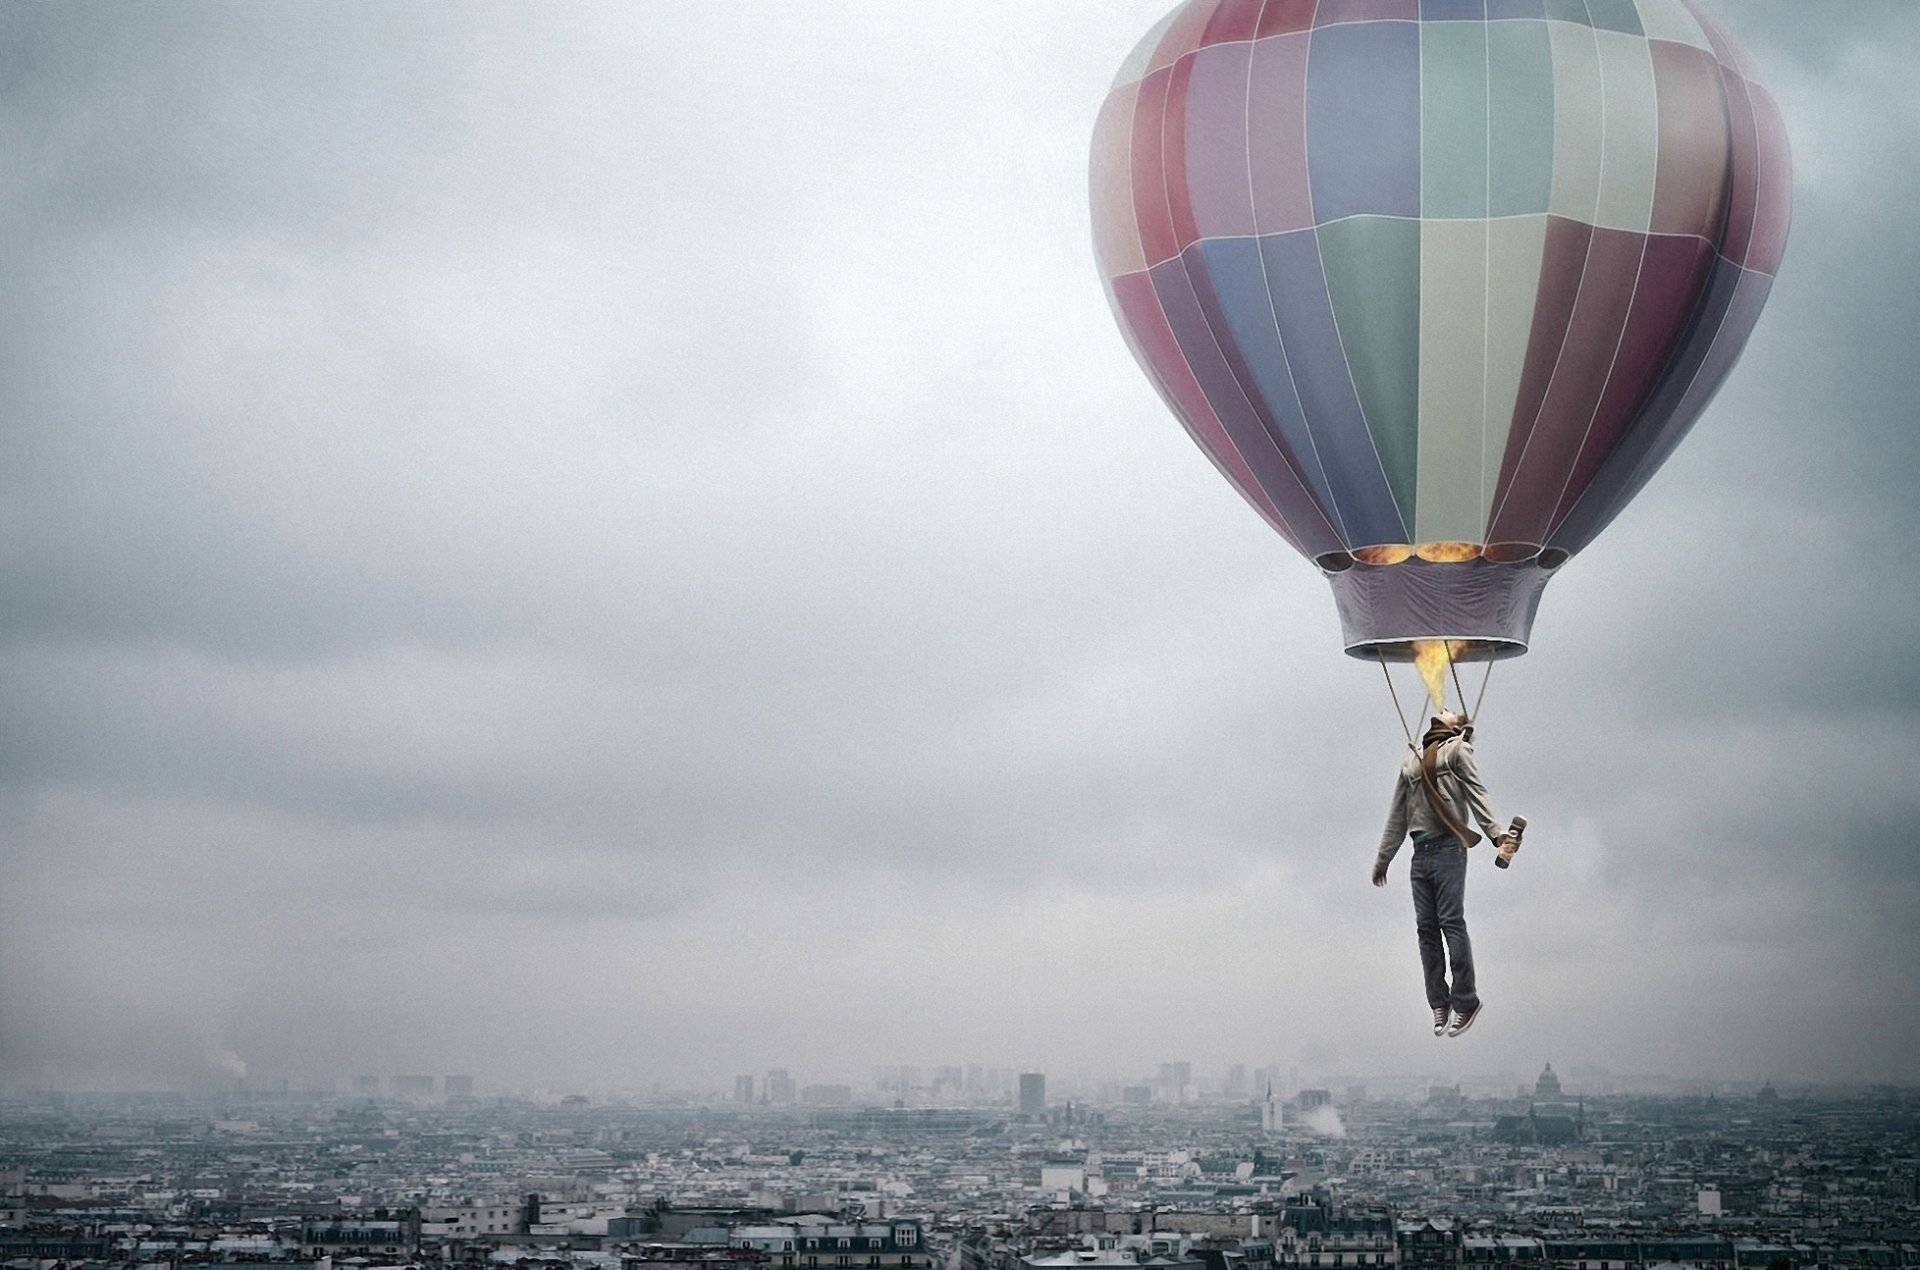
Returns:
point(625, 647)
point(969, 1167)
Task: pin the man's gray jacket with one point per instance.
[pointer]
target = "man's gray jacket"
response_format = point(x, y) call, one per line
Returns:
point(1458, 778)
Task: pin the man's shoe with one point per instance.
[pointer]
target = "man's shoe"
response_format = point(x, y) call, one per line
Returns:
point(1440, 1016)
point(1464, 1020)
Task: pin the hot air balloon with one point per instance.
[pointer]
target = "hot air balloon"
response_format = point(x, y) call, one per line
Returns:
point(1438, 284)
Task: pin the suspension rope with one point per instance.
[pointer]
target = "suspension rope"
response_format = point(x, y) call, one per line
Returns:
point(1395, 694)
point(1458, 691)
point(1483, 689)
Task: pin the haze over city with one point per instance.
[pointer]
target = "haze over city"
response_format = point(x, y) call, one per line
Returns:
point(611, 546)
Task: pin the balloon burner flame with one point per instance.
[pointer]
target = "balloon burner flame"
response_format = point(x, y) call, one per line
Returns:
point(1431, 657)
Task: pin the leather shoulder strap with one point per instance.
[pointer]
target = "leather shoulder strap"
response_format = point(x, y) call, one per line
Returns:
point(1429, 759)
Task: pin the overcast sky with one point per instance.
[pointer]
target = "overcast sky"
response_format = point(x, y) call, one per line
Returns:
point(593, 545)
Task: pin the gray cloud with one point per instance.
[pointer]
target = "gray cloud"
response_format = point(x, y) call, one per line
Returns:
point(630, 542)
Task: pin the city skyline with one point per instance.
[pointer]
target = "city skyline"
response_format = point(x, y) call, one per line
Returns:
point(984, 1085)
point(1759, 1182)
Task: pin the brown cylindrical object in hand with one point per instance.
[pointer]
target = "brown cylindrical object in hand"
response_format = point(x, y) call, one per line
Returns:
point(1510, 842)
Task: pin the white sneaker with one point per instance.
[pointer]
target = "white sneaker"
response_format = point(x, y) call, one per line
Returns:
point(1440, 1017)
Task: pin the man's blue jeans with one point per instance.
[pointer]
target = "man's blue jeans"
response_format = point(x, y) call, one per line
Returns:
point(1440, 911)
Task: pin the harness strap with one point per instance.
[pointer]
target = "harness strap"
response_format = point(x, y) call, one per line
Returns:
point(1428, 760)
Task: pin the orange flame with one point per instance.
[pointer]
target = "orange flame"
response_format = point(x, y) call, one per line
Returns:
point(1431, 657)
point(1447, 552)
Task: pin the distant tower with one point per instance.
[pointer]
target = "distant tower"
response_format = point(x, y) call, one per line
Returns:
point(1270, 1114)
point(1033, 1093)
point(743, 1090)
point(1547, 1088)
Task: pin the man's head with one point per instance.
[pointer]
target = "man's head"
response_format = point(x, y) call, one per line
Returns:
point(1448, 723)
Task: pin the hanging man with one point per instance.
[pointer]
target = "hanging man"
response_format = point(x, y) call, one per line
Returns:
point(1439, 787)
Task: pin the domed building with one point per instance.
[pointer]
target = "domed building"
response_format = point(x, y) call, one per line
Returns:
point(1549, 1121)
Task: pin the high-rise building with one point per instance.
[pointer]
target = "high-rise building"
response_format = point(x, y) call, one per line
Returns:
point(1033, 1093)
point(743, 1090)
point(457, 1086)
point(781, 1089)
point(899, 1080)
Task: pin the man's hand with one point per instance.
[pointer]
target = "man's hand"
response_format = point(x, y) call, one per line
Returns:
point(1379, 875)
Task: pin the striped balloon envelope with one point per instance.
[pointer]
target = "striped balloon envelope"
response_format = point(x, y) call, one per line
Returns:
point(1438, 284)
